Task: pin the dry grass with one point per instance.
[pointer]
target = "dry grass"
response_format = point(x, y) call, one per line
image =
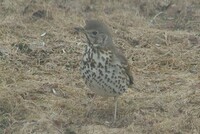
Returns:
point(40, 87)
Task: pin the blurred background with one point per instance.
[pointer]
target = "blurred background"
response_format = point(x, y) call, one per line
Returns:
point(41, 90)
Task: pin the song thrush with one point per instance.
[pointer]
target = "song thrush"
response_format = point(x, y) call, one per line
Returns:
point(104, 68)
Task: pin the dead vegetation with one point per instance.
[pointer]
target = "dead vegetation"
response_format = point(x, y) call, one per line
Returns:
point(41, 90)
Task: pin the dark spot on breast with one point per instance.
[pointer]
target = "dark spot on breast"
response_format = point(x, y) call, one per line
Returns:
point(93, 74)
point(91, 56)
point(106, 69)
point(107, 61)
point(85, 63)
point(103, 59)
point(114, 91)
point(118, 81)
point(100, 65)
point(106, 76)
point(100, 72)
point(87, 71)
point(92, 63)
point(115, 81)
point(88, 77)
point(119, 77)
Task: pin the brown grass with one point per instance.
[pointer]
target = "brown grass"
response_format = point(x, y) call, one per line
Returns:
point(41, 90)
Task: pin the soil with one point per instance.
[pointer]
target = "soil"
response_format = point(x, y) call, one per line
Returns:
point(41, 91)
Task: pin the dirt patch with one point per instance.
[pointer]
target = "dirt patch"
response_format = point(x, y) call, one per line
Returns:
point(41, 90)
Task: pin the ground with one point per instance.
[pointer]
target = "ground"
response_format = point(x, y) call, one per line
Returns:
point(41, 90)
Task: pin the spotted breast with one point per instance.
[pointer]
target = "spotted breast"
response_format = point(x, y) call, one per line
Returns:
point(102, 73)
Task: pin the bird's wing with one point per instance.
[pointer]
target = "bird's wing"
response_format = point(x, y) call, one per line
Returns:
point(126, 66)
point(122, 59)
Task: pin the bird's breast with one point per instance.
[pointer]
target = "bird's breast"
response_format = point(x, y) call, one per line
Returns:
point(101, 74)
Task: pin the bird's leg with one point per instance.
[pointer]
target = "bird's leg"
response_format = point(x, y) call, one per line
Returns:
point(90, 106)
point(115, 113)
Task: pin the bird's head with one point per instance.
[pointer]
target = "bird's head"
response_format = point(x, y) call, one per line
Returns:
point(96, 32)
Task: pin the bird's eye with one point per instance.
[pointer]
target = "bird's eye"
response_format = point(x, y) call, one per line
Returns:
point(94, 32)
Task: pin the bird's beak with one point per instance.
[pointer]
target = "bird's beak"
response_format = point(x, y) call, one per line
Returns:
point(80, 29)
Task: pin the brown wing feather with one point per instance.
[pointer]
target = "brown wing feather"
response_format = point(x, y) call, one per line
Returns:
point(124, 62)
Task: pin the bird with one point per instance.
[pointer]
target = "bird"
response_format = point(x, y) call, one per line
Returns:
point(103, 67)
